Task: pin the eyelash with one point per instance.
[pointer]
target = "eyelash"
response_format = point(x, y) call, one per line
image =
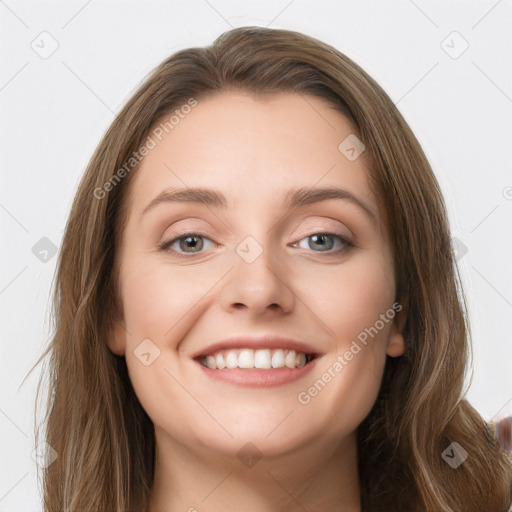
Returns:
point(165, 246)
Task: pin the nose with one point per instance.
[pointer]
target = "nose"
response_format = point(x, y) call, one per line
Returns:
point(260, 287)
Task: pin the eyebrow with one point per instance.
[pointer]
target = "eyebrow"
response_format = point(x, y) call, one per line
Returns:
point(293, 198)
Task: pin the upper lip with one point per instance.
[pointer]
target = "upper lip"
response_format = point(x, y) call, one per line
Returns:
point(270, 341)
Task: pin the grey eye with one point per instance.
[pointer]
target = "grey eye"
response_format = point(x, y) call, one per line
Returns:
point(321, 242)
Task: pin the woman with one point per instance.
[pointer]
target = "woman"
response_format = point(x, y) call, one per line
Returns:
point(256, 301)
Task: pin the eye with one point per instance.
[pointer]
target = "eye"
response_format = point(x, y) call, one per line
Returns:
point(188, 243)
point(323, 242)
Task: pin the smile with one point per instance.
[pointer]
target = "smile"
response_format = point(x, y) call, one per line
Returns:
point(246, 358)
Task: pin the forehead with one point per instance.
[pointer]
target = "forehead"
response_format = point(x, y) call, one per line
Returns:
point(253, 148)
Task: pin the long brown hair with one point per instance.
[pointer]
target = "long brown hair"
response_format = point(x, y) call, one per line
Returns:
point(104, 439)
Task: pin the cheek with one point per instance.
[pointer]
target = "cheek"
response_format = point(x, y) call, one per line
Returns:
point(350, 298)
point(157, 297)
point(161, 304)
point(343, 391)
point(158, 302)
point(355, 303)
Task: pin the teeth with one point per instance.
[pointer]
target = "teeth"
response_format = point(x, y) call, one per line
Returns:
point(246, 359)
point(250, 359)
point(262, 359)
point(289, 360)
point(278, 359)
point(219, 359)
point(231, 360)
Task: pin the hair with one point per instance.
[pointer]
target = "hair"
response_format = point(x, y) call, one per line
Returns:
point(103, 437)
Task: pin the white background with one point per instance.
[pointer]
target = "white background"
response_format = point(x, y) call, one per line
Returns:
point(55, 110)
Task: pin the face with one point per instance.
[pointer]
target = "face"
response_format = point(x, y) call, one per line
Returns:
point(218, 288)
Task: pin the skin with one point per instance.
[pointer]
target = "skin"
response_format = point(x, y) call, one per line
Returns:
point(253, 150)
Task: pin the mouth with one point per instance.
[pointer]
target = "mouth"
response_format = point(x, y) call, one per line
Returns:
point(261, 368)
point(250, 359)
point(262, 361)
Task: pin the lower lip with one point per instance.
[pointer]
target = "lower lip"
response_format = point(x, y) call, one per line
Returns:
point(259, 378)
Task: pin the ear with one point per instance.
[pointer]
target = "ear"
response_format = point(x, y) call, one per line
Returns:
point(396, 343)
point(117, 337)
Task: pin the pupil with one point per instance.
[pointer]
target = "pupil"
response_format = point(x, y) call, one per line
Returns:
point(321, 239)
point(191, 242)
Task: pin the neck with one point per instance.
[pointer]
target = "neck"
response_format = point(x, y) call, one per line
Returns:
point(320, 476)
